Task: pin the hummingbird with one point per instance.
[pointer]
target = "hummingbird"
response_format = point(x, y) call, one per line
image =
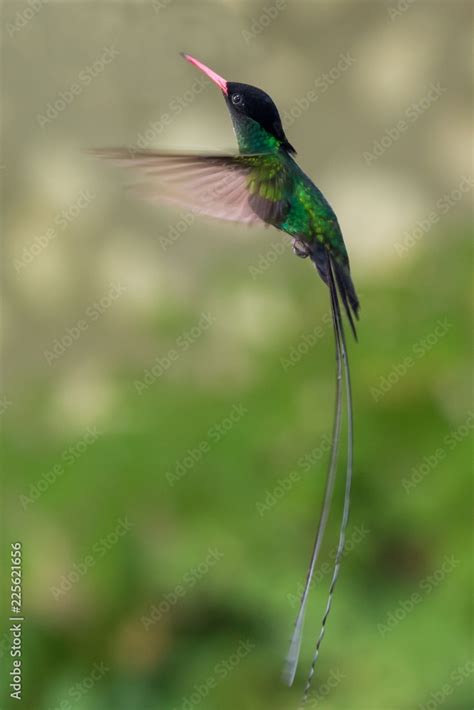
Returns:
point(263, 185)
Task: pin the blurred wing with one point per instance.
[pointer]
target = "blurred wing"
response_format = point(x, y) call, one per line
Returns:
point(244, 189)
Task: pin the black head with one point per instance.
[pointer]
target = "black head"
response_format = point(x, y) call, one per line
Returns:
point(251, 102)
point(248, 102)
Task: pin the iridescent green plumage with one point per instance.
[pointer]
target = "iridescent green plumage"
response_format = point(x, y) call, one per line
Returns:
point(298, 207)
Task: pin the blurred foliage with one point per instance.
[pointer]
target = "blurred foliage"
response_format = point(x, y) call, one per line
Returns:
point(152, 493)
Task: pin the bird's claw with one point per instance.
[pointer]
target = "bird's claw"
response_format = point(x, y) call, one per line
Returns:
point(301, 249)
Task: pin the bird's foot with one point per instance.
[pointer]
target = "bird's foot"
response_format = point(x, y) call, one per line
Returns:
point(301, 249)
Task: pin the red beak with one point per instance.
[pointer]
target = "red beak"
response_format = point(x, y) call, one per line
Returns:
point(221, 83)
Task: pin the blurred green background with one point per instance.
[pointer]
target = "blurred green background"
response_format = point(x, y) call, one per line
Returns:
point(168, 382)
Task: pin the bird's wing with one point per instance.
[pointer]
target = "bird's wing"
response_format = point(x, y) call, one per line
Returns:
point(242, 188)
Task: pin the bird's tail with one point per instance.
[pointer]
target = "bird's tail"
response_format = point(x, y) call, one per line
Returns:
point(339, 284)
point(325, 262)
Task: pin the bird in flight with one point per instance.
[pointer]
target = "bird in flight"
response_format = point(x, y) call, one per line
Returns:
point(262, 184)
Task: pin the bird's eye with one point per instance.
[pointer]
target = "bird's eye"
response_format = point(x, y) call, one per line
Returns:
point(236, 99)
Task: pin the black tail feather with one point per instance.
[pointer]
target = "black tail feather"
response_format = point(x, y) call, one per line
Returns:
point(323, 260)
point(347, 292)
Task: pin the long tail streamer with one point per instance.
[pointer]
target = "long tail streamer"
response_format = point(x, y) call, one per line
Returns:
point(291, 661)
point(341, 348)
point(342, 367)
